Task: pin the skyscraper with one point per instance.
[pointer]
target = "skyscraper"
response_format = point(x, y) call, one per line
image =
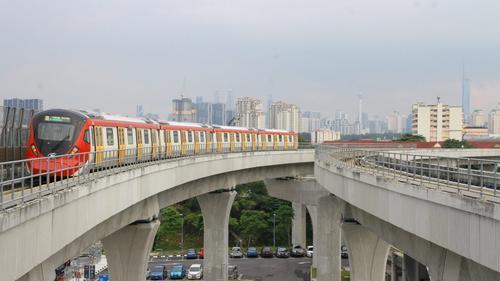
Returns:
point(285, 116)
point(219, 114)
point(139, 111)
point(466, 98)
point(35, 104)
point(249, 113)
point(183, 110)
point(494, 122)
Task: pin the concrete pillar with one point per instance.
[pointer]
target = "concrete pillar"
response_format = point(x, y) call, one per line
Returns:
point(410, 269)
point(43, 272)
point(215, 208)
point(329, 237)
point(446, 267)
point(367, 253)
point(299, 225)
point(128, 249)
point(313, 213)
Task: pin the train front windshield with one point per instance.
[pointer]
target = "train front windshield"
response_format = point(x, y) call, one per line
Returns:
point(55, 131)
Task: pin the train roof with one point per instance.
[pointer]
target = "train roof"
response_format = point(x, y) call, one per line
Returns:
point(233, 128)
point(183, 124)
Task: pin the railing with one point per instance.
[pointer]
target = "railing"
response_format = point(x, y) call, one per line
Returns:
point(28, 179)
point(474, 177)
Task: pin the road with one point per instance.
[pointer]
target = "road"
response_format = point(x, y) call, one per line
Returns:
point(259, 269)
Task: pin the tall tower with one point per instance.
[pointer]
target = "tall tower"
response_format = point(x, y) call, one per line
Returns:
point(360, 113)
point(466, 97)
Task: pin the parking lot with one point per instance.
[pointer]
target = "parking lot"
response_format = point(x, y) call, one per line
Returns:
point(258, 269)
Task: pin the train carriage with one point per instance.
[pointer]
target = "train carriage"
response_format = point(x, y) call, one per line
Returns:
point(78, 140)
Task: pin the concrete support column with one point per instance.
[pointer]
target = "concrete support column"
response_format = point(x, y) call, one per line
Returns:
point(367, 253)
point(313, 213)
point(43, 272)
point(128, 249)
point(299, 224)
point(215, 208)
point(329, 237)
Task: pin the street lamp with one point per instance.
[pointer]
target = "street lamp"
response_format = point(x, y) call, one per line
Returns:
point(182, 233)
point(274, 230)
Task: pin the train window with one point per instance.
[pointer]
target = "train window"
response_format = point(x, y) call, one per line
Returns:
point(280, 138)
point(190, 136)
point(130, 136)
point(290, 139)
point(226, 137)
point(202, 136)
point(237, 137)
point(110, 137)
point(176, 136)
point(248, 137)
point(86, 136)
point(146, 136)
point(269, 138)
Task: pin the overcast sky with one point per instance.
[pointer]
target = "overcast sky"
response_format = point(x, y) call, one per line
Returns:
point(320, 55)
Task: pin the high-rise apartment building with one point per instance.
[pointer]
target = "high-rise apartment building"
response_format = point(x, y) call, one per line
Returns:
point(285, 116)
point(249, 113)
point(34, 104)
point(203, 111)
point(396, 122)
point(437, 122)
point(310, 122)
point(478, 118)
point(183, 110)
point(219, 114)
point(494, 122)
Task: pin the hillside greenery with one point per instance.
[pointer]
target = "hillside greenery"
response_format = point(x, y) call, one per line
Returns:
point(250, 223)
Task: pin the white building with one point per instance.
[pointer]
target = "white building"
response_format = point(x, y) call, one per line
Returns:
point(494, 122)
point(285, 116)
point(437, 122)
point(478, 118)
point(396, 122)
point(249, 113)
point(310, 122)
point(322, 135)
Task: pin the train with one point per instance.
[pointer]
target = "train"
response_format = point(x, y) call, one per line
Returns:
point(77, 140)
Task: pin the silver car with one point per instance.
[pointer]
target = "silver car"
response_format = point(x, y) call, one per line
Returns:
point(236, 252)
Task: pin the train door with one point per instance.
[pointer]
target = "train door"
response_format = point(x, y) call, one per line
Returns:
point(176, 143)
point(168, 143)
point(121, 145)
point(219, 142)
point(196, 142)
point(254, 141)
point(208, 138)
point(231, 141)
point(244, 141)
point(99, 147)
point(154, 144)
point(138, 134)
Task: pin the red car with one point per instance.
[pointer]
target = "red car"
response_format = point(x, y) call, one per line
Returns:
point(201, 253)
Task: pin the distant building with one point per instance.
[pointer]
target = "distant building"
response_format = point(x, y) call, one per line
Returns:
point(139, 111)
point(471, 133)
point(219, 114)
point(494, 122)
point(466, 99)
point(249, 113)
point(396, 123)
point(183, 110)
point(323, 135)
point(437, 122)
point(310, 122)
point(34, 104)
point(285, 116)
point(478, 118)
point(203, 111)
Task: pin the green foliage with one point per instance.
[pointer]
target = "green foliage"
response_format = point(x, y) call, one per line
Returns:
point(452, 143)
point(251, 220)
point(412, 138)
point(304, 137)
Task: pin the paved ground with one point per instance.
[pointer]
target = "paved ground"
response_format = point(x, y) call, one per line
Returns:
point(259, 269)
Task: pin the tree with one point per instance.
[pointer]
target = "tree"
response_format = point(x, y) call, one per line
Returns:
point(284, 217)
point(412, 138)
point(252, 224)
point(452, 143)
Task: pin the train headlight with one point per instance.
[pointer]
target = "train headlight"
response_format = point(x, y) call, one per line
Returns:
point(74, 150)
point(33, 149)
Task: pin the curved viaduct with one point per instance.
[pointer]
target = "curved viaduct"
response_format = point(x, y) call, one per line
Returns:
point(37, 236)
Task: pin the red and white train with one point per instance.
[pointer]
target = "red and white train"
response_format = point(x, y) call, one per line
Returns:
point(99, 140)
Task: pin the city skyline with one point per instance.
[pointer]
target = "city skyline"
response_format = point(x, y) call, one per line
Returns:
point(321, 64)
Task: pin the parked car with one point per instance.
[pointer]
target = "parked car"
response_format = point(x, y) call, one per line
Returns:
point(178, 271)
point(195, 271)
point(298, 251)
point(236, 252)
point(201, 254)
point(158, 272)
point(310, 251)
point(266, 252)
point(232, 272)
point(343, 252)
point(282, 252)
point(252, 252)
point(191, 254)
